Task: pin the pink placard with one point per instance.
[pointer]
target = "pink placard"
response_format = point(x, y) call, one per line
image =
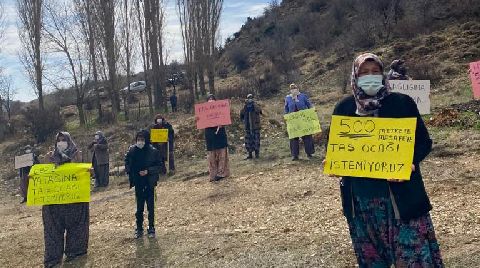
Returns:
point(212, 114)
point(475, 77)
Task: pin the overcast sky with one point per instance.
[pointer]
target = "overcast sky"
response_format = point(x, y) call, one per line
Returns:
point(234, 15)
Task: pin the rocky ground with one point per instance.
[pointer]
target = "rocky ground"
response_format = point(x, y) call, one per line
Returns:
point(270, 213)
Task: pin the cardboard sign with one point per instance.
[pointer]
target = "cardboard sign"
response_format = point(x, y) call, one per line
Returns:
point(212, 114)
point(419, 90)
point(302, 123)
point(68, 183)
point(159, 135)
point(475, 77)
point(25, 160)
point(370, 147)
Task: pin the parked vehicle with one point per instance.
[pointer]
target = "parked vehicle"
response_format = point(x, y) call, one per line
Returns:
point(135, 87)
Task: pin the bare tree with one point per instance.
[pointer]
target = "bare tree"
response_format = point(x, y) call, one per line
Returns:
point(7, 92)
point(185, 10)
point(106, 14)
point(154, 18)
point(86, 13)
point(30, 13)
point(211, 17)
point(63, 32)
point(127, 49)
point(142, 33)
point(200, 22)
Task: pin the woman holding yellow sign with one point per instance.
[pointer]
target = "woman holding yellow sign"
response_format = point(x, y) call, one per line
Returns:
point(389, 220)
point(294, 102)
point(66, 226)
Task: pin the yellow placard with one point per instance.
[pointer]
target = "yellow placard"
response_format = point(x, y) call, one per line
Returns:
point(159, 135)
point(66, 184)
point(369, 147)
point(302, 123)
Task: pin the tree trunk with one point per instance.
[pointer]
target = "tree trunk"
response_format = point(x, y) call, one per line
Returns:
point(201, 80)
point(211, 77)
point(38, 58)
point(146, 65)
point(109, 28)
point(91, 48)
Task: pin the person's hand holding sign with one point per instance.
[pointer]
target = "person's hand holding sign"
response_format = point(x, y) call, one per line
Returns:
point(143, 173)
point(395, 180)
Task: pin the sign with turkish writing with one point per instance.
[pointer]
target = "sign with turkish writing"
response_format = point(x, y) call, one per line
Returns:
point(475, 77)
point(371, 147)
point(159, 135)
point(419, 90)
point(302, 123)
point(212, 114)
point(66, 184)
point(25, 160)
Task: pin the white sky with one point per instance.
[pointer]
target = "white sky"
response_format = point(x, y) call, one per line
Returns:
point(234, 16)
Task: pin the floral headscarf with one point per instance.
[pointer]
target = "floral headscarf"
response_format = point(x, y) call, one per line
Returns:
point(368, 105)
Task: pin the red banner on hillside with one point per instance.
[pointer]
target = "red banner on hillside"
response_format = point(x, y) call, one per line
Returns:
point(475, 77)
point(212, 114)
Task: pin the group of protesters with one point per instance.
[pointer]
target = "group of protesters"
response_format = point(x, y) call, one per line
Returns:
point(388, 220)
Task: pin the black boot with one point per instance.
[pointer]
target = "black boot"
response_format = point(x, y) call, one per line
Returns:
point(250, 156)
point(151, 232)
point(257, 154)
point(138, 233)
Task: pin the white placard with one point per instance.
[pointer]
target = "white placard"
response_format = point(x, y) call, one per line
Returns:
point(25, 160)
point(419, 90)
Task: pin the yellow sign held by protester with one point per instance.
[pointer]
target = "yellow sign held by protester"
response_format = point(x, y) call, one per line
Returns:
point(302, 123)
point(369, 147)
point(159, 135)
point(66, 184)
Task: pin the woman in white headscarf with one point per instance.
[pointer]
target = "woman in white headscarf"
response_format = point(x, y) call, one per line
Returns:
point(294, 102)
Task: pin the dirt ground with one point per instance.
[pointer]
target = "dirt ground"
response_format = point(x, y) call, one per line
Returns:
point(270, 213)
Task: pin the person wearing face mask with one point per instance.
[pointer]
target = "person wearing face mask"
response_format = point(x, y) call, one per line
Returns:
point(294, 102)
point(23, 174)
point(166, 149)
point(217, 150)
point(389, 220)
point(100, 159)
point(143, 165)
point(66, 227)
point(250, 115)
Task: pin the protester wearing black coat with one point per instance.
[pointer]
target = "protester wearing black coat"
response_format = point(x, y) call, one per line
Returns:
point(143, 165)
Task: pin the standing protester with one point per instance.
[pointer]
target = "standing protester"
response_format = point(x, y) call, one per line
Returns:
point(389, 220)
point(66, 224)
point(295, 102)
point(143, 165)
point(23, 173)
point(250, 115)
point(173, 102)
point(100, 159)
point(166, 149)
point(217, 150)
point(398, 71)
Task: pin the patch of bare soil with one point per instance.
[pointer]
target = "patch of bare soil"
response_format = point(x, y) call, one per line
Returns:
point(270, 213)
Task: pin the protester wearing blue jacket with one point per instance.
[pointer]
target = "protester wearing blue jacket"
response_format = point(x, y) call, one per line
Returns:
point(295, 102)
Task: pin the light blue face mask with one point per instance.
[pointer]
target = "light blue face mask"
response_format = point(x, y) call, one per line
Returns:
point(370, 84)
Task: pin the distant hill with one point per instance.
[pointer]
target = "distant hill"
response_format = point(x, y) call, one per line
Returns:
point(313, 42)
